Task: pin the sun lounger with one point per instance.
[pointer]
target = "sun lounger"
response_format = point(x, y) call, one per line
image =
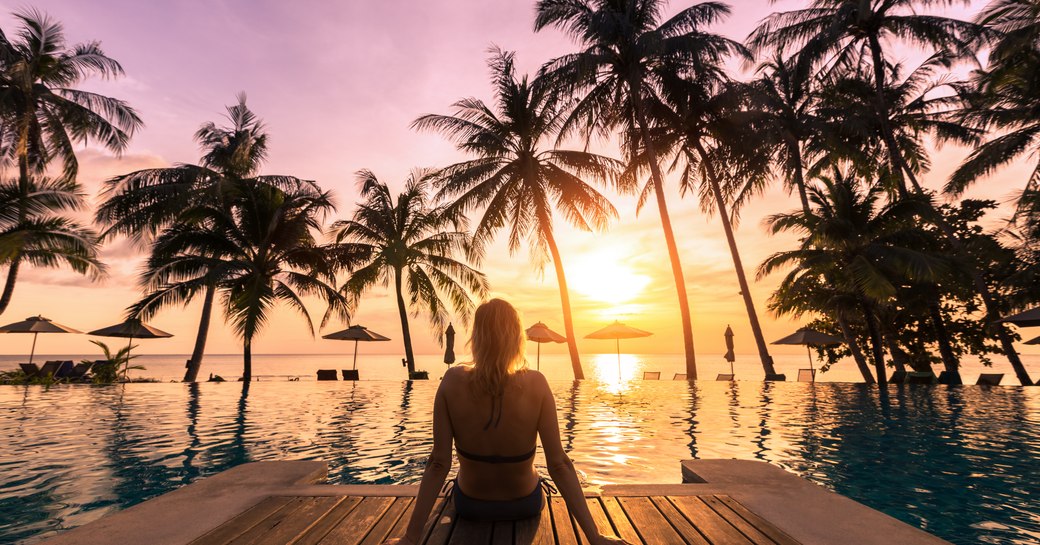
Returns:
point(651, 375)
point(327, 374)
point(990, 379)
point(899, 377)
point(30, 369)
point(679, 376)
point(806, 375)
point(350, 374)
point(64, 369)
point(80, 370)
point(950, 378)
point(778, 377)
point(723, 376)
point(49, 368)
point(920, 377)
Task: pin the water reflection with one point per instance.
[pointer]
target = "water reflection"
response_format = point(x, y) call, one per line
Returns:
point(615, 374)
point(959, 462)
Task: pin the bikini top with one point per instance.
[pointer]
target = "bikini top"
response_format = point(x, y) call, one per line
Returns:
point(496, 402)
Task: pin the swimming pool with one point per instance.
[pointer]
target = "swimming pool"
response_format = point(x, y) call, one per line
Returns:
point(960, 462)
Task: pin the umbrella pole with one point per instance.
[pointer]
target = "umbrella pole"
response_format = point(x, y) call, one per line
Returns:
point(539, 360)
point(808, 351)
point(33, 350)
point(618, 341)
point(126, 366)
point(355, 354)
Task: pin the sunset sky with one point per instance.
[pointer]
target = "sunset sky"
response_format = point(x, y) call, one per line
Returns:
point(338, 84)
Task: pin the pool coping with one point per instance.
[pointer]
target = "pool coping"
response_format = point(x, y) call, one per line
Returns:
point(807, 512)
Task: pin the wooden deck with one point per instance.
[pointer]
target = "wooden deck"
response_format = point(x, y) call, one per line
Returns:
point(368, 520)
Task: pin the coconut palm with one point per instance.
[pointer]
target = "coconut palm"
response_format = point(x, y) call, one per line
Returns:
point(413, 245)
point(626, 50)
point(35, 228)
point(42, 115)
point(856, 249)
point(261, 252)
point(515, 180)
point(143, 203)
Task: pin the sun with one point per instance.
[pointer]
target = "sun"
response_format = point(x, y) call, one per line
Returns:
point(604, 277)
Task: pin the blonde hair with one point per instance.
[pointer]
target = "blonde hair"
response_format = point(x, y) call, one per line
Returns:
point(497, 343)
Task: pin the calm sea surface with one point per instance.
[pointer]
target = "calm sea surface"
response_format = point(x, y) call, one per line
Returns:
point(962, 462)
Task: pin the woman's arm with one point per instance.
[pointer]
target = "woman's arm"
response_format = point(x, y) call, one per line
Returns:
point(561, 468)
point(437, 467)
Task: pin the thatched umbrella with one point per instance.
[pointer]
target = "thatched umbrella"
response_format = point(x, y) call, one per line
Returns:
point(36, 325)
point(810, 338)
point(729, 355)
point(540, 333)
point(131, 329)
point(618, 331)
point(449, 344)
point(1028, 318)
point(356, 333)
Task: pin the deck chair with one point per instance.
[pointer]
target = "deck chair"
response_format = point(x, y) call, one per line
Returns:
point(80, 370)
point(777, 377)
point(651, 375)
point(950, 378)
point(350, 374)
point(64, 369)
point(679, 376)
point(327, 374)
point(899, 377)
point(30, 369)
point(920, 377)
point(806, 375)
point(990, 379)
point(49, 368)
point(724, 376)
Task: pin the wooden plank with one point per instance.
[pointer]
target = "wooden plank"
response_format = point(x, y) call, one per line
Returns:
point(766, 527)
point(536, 530)
point(297, 524)
point(599, 516)
point(679, 522)
point(470, 532)
point(382, 529)
point(440, 531)
point(563, 524)
point(753, 534)
point(356, 525)
point(330, 520)
point(502, 533)
point(708, 522)
point(619, 519)
point(271, 522)
point(648, 521)
point(243, 522)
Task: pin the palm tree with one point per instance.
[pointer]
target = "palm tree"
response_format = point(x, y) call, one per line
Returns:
point(143, 203)
point(857, 249)
point(514, 180)
point(35, 229)
point(261, 253)
point(412, 244)
point(42, 114)
point(626, 50)
point(703, 121)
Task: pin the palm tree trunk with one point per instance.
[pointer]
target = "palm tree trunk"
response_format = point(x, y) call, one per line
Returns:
point(942, 337)
point(669, 236)
point(745, 291)
point(405, 333)
point(247, 360)
point(857, 354)
point(799, 176)
point(565, 303)
point(195, 363)
point(12, 277)
point(876, 343)
point(992, 313)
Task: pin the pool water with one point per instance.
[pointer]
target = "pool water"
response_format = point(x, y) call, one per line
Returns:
point(960, 462)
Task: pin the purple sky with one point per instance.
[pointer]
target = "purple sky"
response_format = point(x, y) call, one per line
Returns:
point(338, 84)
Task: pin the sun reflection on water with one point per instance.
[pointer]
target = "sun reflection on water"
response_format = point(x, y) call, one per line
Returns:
point(616, 375)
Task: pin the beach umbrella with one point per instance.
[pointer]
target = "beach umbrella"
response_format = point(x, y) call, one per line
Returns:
point(36, 325)
point(810, 338)
point(1029, 318)
point(618, 331)
point(131, 329)
point(1033, 341)
point(540, 333)
point(729, 355)
point(356, 333)
point(449, 345)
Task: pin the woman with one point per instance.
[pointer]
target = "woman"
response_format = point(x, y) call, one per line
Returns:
point(492, 411)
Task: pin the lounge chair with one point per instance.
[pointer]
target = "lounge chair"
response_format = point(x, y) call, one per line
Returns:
point(327, 374)
point(920, 377)
point(806, 375)
point(64, 369)
point(350, 374)
point(49, 368)
point(679, 376)
point(777, 377)
point(80, 370)
point(30, 369)
point(651, 375)
point(899, 377)
point(952, 378)
point(990, 379)
point(724, 376)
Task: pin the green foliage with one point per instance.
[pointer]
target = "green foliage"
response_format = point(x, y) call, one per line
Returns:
point(114, 367)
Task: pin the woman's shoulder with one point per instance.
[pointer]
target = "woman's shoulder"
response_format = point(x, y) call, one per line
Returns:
point(531, 376)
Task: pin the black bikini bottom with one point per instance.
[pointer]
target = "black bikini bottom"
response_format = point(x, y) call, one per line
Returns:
point(500, 510)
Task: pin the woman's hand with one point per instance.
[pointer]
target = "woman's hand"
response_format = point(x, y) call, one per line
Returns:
point(605, 540)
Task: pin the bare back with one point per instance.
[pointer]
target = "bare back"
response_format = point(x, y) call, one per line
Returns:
point(480, 427)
